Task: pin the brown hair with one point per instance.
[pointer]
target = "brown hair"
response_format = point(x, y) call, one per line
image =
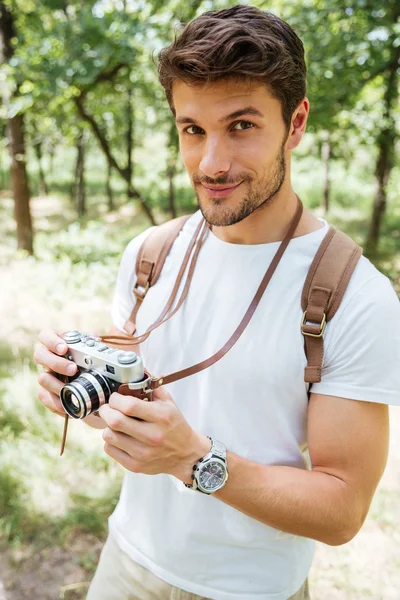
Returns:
point(242, 43)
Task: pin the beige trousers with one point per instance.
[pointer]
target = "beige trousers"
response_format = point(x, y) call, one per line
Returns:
point(118, 577)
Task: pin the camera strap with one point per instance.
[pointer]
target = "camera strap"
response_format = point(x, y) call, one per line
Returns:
point(158, 381)
point(190, 258)
point(324, 288)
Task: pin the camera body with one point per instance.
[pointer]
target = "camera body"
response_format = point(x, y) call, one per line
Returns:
point(101, 371)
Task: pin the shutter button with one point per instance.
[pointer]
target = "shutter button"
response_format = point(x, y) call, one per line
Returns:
point(126, 358)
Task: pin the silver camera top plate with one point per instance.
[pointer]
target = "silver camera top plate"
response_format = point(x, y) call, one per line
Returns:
point(89, 352)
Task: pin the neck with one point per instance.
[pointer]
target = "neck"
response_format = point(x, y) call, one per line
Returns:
point(269, 223)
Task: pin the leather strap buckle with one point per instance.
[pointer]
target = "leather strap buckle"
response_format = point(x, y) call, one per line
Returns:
point(321, 326)
point(140, 294)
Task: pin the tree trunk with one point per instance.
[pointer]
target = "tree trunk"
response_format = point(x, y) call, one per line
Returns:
point(52, 152)
point(109, 188)
point(386, 148)
point(171, 188)
point(326, 154)
point(44, 190)
point(16, 142)
point(20, 186)
point(104, 145)
point(383, 169)
point(133, 193)
point(129, 138)
point(2, 174)
point(80, 191)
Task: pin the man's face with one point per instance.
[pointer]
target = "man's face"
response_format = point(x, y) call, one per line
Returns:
point(232, 141)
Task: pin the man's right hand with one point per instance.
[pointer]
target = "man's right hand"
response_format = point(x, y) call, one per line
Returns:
point(51, 356)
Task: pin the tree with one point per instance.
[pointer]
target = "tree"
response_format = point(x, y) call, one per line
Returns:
point(16, 137)
point(349, 46)
point(388, 135)
point(73, 51)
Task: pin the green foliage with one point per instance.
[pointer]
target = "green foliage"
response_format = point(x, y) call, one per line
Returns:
point(14, 500)
point(80, 244)
point(11, 424)
point(43, 497)
point(90, 513)
point(100, 52)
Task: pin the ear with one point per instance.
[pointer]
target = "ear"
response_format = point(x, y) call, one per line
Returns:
point(298, 126)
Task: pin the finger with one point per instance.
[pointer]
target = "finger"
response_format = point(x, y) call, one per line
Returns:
point(50, 383)
point(162, 394)
point(123, 458)
point(152, 412)
point(51, 401)
point(141, 431)
point(48, 359)
point(124, 442)
point(53, 341)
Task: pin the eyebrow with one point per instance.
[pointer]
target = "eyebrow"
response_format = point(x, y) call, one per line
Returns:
point(249, 110)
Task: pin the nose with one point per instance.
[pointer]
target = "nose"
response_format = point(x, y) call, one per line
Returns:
point(215, 160)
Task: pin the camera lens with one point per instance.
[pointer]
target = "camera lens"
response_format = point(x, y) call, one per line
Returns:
point(86, 394)
point(74, 401)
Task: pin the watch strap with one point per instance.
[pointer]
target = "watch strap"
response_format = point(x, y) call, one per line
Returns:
point(218, 449)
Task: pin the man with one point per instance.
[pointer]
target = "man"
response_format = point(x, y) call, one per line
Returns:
point(235, 81)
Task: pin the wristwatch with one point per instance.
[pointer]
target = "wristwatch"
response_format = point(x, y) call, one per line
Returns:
point(210, 473)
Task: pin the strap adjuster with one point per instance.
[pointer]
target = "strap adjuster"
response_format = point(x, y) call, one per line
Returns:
point(140, 294)
point(321, 326)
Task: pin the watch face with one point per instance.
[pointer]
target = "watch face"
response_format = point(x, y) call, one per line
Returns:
point(212, 476)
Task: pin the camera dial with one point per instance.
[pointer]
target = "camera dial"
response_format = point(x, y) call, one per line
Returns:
point(72, 337)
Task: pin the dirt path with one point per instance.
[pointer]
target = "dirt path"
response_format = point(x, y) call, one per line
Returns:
point(51, 574)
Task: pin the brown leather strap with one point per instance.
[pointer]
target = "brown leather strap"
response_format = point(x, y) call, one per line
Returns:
point(249, 313)
point(143, 394)
point(164, 317)
point(323, 290)
point(150, 261)
point(124, 340)
point(196, 242)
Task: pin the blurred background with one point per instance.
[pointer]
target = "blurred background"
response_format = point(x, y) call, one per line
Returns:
point(88, 159)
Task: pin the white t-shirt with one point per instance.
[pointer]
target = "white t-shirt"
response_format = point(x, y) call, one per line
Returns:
point(254, 400)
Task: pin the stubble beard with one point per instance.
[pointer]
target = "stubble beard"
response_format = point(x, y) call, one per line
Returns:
point(260, 194)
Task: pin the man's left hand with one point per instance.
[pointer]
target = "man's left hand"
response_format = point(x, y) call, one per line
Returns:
point(162, 442)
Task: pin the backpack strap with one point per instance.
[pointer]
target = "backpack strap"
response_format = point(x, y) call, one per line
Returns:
point(323, 290)
point(150, 261)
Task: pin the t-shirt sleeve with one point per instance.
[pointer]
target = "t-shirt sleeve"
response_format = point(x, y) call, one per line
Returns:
point(362, 353)
point(124, 300)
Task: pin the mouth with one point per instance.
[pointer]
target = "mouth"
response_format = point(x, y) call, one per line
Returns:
point(219, 191)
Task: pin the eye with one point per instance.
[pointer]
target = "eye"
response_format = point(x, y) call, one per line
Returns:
point(242, 125)
point(193, 130)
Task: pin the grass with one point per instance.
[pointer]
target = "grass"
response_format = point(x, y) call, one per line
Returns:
point(44, 498)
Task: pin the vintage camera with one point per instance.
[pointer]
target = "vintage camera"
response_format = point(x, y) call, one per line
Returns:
point(101, 371)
